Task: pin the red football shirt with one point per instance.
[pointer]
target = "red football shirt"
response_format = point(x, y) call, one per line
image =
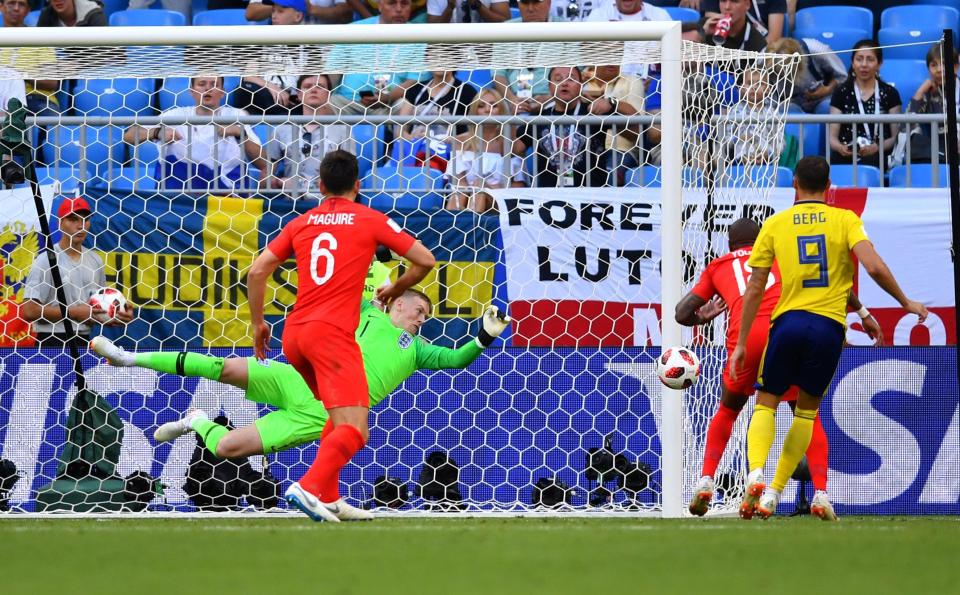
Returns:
point(334, 245)
point(727, 277)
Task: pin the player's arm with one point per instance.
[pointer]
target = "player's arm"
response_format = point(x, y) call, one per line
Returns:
point(693, 310)
point(751, 304)
point(432, 357)
point(421, 261)
point(870, 324)
point(879, 272)
point(261, 269)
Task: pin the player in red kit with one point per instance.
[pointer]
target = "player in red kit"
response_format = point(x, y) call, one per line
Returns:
point(333, 244)
point(720, 288)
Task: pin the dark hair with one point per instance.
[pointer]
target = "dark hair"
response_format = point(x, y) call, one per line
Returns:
point(419, 294)
point(304, 77)
point(339, 171)
point(871, 44)
point(812, 174)
point(936, 53)
point(688, 26)
point(577, 68)
point(743, 232)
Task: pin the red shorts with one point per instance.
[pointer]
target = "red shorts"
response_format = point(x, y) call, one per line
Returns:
point(747, 376)
point(329, 361)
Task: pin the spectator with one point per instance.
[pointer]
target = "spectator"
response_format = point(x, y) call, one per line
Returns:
point(818, 76)
point(766, 16)
point(752, 132)
point(482, 157)
point(273, 94)
point(369, 8)
point(204, 156)
point(467, 11)
point(184, 7)
point(570, 11)
point(743, 35)
point(72, 13)
point(526, 89)
point(376, 93)
point(929, 99)
point(295, 150)
point(82, 273)
point(614, 93)
point(628, 10)
point(565, 155)
point(859, 95)
point(319, 12)
point(442, 95)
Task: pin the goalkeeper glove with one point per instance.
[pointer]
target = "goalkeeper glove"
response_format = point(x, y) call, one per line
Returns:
point(494, 322)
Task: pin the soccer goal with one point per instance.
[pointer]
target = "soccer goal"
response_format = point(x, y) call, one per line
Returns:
point(578, 175)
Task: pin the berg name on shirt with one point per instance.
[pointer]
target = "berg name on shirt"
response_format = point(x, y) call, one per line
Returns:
point(809, 218)
point(331, 219)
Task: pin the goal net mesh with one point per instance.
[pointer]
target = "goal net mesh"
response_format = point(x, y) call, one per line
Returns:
point(555, 220)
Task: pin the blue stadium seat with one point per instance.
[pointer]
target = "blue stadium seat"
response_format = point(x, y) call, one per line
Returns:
point(478, 78)
point(837, 38)
point(953, 3)
point(921, 176)
point(225, 16)
point(905, 75)
point(370, 145)
point(649, 176)
point(931, 17)
point(117, 97)
point(101, 147)
point(403, 188)
point(867, 176)
point(739, 176)
point(827, 17)
point(112, 6)
point(813, 135)
point(31, 19)
point(147, 18)
point(144, 154)
point(684, 15)
point(130, 179)
point(908, 35)
point(69, 178)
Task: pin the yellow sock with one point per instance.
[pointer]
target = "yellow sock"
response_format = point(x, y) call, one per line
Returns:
point(795, 444)
point(760, 434)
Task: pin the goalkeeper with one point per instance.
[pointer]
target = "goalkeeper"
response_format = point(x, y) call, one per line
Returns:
point(391, 351)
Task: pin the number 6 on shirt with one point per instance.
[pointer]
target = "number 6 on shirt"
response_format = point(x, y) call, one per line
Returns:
point(318, 251)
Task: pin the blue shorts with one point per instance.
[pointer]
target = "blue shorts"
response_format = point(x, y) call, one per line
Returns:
point(803, 350)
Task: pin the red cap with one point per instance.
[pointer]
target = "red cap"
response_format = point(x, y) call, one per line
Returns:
point(73, 205)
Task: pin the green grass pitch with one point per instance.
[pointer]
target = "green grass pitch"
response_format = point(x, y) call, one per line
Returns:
point(493, 556)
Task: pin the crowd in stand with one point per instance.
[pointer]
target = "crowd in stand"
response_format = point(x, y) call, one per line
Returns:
point(472, 158)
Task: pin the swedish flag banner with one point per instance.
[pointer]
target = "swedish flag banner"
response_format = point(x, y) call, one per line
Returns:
point(182, 261)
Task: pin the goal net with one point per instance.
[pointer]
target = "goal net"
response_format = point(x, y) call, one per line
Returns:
point(561, 172)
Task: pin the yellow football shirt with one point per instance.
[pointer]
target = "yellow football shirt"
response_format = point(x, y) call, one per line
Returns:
point(811, 243)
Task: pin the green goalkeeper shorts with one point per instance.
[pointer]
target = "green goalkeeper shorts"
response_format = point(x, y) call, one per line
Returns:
point(299, 417)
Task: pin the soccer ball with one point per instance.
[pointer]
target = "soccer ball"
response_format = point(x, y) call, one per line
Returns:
point(678, 367)
point(110, 301)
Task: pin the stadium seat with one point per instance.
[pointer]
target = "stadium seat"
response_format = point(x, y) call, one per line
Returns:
point(953, 3)
point(68, 178)
point(649, 176)
point(130, 179)
point(369, 140)
point(905, 75)
point(225, 16)
point(827, 17)
point(117, 97)
point(478, 78)
point(684, 15)
point(143, 154)
point(147, 18)
point(867, 176)
point(839, 39)
point(31, 19)
point(739, 176)
point(404, 188)
point(98, 148)
point(930, 16)
point(812, 139)
point(896, 36)
point(921, 176)
point(112, 6)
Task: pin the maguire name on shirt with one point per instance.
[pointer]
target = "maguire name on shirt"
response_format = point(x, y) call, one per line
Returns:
point(331, 219)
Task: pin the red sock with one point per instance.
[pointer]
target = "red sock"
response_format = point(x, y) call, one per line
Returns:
point(323, 477)
point(818, 455)
point(327, 430)
point(718, 434)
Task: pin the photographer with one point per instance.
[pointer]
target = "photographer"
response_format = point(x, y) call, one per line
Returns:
point(467, 11)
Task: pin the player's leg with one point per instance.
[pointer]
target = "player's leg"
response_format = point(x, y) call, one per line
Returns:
point(818, 463)
point(718, 435)
point(181, 364)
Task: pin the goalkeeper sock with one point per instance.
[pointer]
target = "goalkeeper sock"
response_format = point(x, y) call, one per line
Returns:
point(794, 445)
point(718, 434)
point(818, 456)
point(763, 428)
point(335, 451)
point(210, 432)
point(182, 364)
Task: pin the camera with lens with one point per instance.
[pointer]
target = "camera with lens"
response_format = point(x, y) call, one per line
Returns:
point(605, 466)
point(14, 151)
point(863, 141)
point(573, 9)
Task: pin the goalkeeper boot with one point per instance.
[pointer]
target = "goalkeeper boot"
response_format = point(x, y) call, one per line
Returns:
point(821, 507)
point(174, 429)
point(702, 495)
point(309, 504)
point(768, 503)
point(115, 356)
point(346, 512)
point(751, 497)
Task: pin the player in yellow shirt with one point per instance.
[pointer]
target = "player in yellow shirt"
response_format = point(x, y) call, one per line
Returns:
point(811, 243)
